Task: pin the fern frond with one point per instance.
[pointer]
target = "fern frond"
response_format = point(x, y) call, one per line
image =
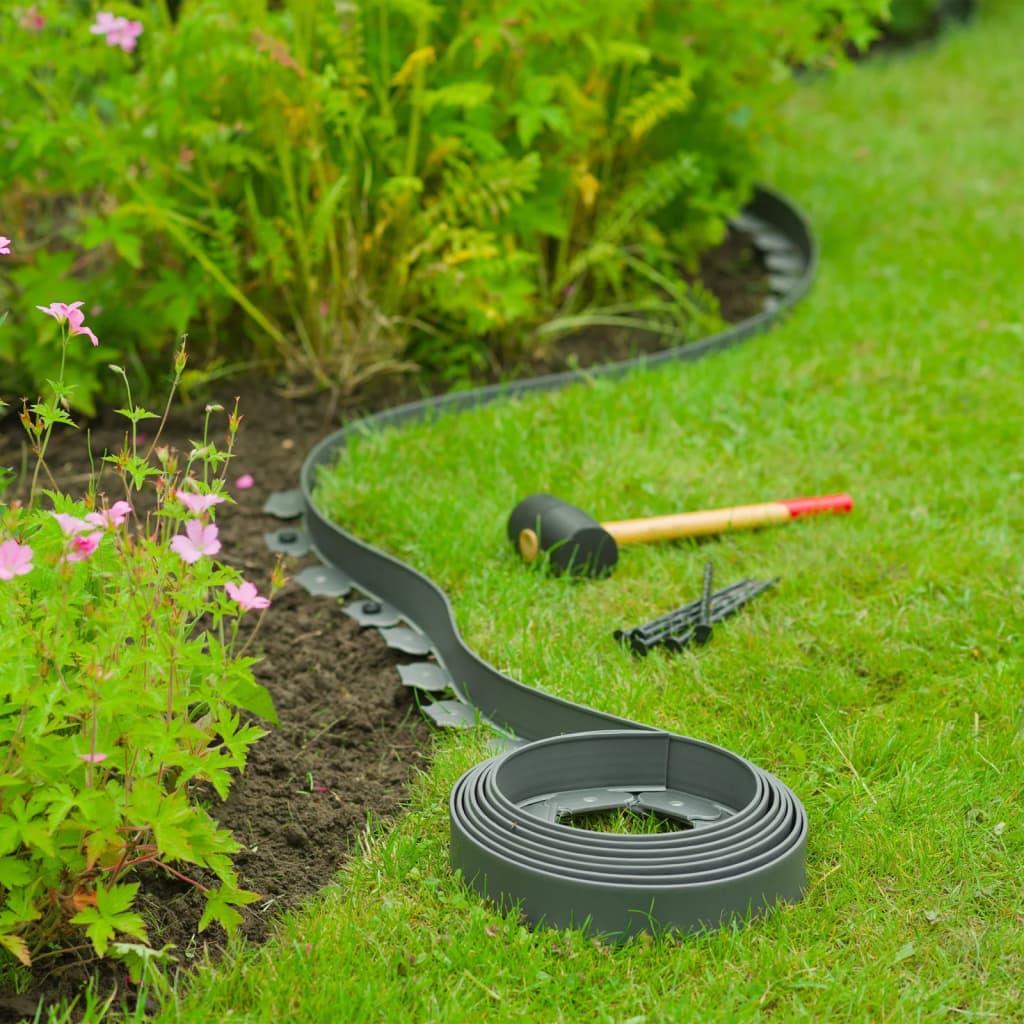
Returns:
point(624, 51)
point(416, 60)
point(661, 184)
point(460, 95)
point(483, 195)
point(222, 246)
point(665, 98)
point(343, 82)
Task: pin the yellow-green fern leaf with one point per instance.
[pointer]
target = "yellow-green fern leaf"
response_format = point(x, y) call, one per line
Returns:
point(664, 99)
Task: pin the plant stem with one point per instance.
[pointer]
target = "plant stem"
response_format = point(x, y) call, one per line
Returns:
point(416, 101)
point(57, 394)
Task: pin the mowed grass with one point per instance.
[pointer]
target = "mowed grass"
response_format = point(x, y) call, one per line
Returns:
point(882, 680)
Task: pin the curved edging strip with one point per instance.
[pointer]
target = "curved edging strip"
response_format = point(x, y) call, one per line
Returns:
point(746, 861)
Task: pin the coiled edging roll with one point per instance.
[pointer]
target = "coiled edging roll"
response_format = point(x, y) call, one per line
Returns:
point(742, 852)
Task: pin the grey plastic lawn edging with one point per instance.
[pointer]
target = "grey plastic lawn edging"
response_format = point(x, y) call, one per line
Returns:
point(742, 843)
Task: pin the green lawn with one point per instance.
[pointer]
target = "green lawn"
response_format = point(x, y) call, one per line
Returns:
point(881, 681)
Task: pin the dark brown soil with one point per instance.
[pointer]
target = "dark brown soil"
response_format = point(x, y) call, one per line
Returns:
point(349, 736)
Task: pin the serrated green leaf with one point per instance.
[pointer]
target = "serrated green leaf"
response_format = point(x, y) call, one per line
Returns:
point(220, 904)
point(137, 415)
point(10, 833)
point(173, 841)
point(246, 693)
point(116, 899)
point(54, 413)
point(99, 842)
point(98, 929)
point(19, 907)
point(111, 915)
point(14, 872)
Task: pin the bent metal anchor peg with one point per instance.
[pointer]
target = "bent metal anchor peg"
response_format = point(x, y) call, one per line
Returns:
point(742, 849)
point(578, 545)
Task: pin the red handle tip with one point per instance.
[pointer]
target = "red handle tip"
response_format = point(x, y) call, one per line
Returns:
point(822, 503)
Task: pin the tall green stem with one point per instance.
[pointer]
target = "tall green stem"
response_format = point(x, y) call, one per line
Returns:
point(416, 99)
point(57, 395)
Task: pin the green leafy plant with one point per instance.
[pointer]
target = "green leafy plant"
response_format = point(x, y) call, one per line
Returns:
point(341, 189)
point(123, 685)
point(909, 18)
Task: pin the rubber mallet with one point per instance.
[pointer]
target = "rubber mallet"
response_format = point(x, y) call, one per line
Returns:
point(580, 546)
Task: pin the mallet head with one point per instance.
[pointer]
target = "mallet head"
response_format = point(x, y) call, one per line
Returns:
point(574, 542)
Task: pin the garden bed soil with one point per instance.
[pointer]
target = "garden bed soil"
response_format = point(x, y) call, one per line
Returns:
point(350, 737)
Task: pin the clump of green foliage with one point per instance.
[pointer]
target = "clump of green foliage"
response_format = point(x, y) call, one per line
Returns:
point(125, 691)
point(334, 189)
point(910, 18)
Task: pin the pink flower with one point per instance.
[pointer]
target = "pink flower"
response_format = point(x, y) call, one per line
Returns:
point(105, 23)
point(244, 482)
point(197, 541)
point(15, 559)
point(119, 31)
point(59, 310)
point(127, 37)
point(83, 543)
point(119, 512)
point(32, 19)
point(75, 318)
point(75, 321)
point(105, 518)
point(246, 595)
point(197, 504)
point(5, 246)
point(94, 758)
point(83, 546)
point(71, 525)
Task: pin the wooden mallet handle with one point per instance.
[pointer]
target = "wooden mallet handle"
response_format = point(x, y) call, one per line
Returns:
point(724, 520)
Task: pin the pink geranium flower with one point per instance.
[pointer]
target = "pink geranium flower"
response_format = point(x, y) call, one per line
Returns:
point(113, 516)
point(5, 246)
point(95, 758)
point(82, 546)
point(197, 504)
point(74, 317)
point(119, 31)
point(15, 559)
point(246, 595)
point(127, 37)
point(105, 22)
point(198, 540)
point(71, 525)
point(244, 482)
point(32, 20)
point(76, 325)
